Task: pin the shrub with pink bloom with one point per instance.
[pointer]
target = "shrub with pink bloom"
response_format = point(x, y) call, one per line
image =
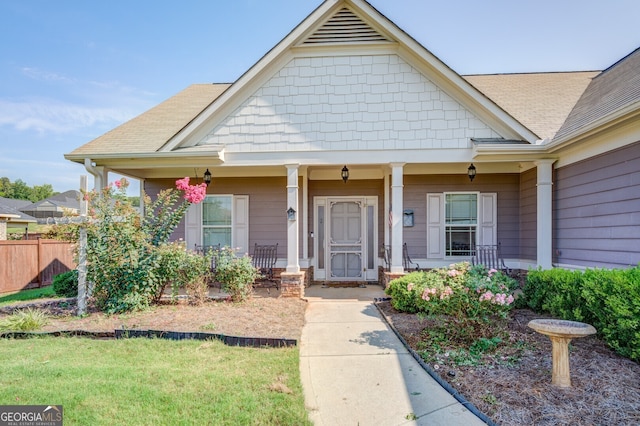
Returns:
point(126, 261)
point(459, 291)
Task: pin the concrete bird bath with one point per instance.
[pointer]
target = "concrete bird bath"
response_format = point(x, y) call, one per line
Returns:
point(561, 332)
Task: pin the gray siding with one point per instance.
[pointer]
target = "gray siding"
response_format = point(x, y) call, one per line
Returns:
point(528, 215)
point(597, 210)
point(267, 206)
point(505, 185)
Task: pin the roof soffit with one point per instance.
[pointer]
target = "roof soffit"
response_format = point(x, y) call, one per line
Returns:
point(383, 34)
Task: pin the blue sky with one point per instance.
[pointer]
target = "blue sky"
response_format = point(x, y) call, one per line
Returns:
point(71, 70)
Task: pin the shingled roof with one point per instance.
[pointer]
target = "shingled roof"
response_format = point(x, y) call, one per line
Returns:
point(612, 91)
point(149, 131)
point(540, 101)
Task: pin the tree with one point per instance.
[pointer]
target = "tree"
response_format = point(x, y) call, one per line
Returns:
point(40, 192)
point(21, 190)
point(6, 188)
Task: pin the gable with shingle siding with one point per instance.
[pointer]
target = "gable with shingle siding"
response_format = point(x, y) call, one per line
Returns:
point(363, 102)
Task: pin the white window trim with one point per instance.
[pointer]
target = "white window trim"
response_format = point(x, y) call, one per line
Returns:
point(436, 222)
point(239, 223)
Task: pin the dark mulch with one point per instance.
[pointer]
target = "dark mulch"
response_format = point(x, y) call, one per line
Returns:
point(605, 386)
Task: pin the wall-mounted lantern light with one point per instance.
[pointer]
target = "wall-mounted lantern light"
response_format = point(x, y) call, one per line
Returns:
point(345, 174)
point(207, 177)
point(291, 214)
point(471, 171)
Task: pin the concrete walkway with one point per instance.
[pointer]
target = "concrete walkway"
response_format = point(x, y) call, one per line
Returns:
point(355, 371)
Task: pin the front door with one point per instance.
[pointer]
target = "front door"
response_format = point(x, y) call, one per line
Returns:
point(345, 239)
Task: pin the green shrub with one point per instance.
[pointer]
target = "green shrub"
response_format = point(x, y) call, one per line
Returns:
point(404, 291)
point(557, 291)
point(612, 299)
point(607, 299)
point(66, 284)
point(236, 274)
point(185, 269)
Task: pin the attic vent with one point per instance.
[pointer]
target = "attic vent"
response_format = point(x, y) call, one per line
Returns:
point(345, 27)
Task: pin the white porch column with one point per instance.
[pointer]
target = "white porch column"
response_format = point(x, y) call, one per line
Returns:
point(305, 213)
point(544, 213)
point(293, 264)
point(387, 209)
point(397, 187)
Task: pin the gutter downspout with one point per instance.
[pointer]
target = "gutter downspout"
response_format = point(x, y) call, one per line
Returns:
point(97, 172)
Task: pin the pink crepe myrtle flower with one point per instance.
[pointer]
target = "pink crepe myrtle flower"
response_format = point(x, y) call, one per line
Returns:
point(409, 286)
point(192, 193)
point(492, 271)
point(196, 193)
point(183, 184)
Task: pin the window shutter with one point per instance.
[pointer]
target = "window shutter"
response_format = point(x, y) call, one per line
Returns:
point(240, 231)
point(488, 219)
point(435, 226)
point(193, 226)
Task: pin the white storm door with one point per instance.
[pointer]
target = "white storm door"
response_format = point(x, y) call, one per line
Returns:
point(346, 241)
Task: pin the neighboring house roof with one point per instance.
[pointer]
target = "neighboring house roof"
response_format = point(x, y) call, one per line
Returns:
point(611, 94)
point(65, 200)
point(149, 131)
point(9, 210)
point(540, 101)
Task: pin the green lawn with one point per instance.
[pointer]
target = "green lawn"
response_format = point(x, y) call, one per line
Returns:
point(35, 293)
point(154, 381)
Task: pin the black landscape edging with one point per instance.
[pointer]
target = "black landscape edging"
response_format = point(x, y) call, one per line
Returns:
point(62, 333)
point(255, 342)
point(461, 399)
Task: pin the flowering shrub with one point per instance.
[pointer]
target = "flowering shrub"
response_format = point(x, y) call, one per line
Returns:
point(124, 261)
point(458, 291)
point(459, 302)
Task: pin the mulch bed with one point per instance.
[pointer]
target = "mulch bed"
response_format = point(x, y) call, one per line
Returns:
point(605, 386)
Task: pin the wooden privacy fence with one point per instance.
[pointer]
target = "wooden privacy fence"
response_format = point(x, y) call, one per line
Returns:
point(33, 263)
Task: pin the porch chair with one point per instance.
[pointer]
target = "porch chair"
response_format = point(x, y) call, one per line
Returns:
point(264, 259)
point(205, 249)
point(491, 257)
point(407, 263)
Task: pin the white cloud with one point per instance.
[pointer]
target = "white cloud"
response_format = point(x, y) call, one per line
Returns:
point(47, 115)
point(38, 74)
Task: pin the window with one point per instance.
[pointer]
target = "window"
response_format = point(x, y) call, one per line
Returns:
point(216, 220)
point(461, 223)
